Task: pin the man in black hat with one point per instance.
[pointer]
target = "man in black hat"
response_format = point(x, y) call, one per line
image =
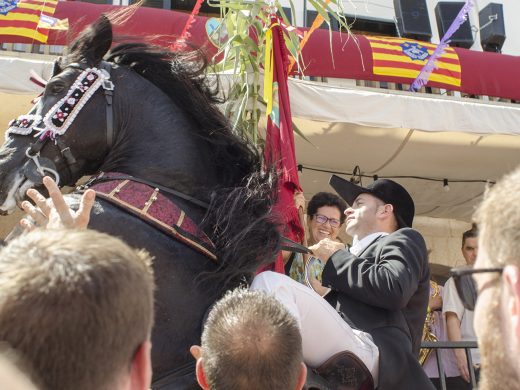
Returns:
point(381, 284)
point(379, 287)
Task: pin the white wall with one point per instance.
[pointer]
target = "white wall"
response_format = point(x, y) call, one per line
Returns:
point(384, 9)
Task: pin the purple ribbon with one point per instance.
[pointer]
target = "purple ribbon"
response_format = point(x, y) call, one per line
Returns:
point(430, 66)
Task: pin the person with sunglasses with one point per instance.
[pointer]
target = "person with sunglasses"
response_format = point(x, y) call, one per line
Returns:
point(496, 280)
point(459, 320)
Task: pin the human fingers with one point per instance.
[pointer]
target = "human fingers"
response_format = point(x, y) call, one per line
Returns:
point(299, 200)
point(39, 200)
point(62, 208)
point(85, 207)
point(34, 212)
point(464, 372)
point(27, 225)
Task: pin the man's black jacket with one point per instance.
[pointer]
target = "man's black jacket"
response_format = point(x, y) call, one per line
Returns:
point(384, 291)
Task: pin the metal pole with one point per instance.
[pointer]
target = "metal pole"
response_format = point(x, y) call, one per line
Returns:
point(304, 13)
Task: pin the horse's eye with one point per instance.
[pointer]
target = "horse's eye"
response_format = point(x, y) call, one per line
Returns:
point(55, 88)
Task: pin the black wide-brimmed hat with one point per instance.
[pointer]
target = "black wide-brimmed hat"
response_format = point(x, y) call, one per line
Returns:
point(387, 190)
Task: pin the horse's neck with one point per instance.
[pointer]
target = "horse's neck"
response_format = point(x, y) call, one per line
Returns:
point(156, 141)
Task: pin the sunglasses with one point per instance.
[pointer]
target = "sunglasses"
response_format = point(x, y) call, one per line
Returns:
point(465, 283)
point(321, 219)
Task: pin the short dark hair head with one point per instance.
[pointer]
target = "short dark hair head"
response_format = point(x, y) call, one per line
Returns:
point(471, 233)
point(251, 342)
point(326, 199)
point(76, 304)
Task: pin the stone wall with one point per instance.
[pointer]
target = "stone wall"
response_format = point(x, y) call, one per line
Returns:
point(443, 239)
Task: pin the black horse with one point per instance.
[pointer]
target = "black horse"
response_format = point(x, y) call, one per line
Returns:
point(142, 114)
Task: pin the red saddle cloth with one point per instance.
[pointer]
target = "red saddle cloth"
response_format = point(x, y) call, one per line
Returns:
point(150, 205)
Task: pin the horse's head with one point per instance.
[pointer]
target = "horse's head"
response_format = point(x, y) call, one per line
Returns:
point(67, 133)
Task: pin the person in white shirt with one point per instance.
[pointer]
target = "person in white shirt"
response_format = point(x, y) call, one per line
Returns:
point(459, 320)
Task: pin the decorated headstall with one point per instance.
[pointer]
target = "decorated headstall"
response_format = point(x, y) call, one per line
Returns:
point(59, 118)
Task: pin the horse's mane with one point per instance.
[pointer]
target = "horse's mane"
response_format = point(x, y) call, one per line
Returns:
point(182, 76)
point(238, 220)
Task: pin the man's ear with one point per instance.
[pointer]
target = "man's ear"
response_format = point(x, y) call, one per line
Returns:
point(141, 368)
point(511, 277)
point(302, 377)
point(386, 210)
point(196, 352)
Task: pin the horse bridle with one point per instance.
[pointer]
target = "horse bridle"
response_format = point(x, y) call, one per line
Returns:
point(48, 126)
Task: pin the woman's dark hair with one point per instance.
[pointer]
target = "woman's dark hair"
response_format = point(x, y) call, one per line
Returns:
point(326, 199)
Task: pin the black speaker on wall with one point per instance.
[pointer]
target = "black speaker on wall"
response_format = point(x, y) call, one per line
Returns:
point(492, 28)
point(445, 13)
point(413, 20)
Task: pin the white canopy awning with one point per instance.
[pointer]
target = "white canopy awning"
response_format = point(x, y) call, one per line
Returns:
point(395, 134)
point(400, 109)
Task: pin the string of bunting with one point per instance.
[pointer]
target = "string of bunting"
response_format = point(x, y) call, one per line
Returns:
point(315, 25)
point(357, 173)
point(185, 35)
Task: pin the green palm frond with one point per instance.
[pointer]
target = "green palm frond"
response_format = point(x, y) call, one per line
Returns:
point(241, 56)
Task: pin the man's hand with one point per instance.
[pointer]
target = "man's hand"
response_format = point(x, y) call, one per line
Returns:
point(462, 364)
point(453, 329)
point(326, 248)
point(54, 213)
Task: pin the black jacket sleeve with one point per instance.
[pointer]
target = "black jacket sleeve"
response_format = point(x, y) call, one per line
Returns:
point(386, 278)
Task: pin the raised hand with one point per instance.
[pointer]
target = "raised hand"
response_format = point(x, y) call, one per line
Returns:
point(326, 248)
point(53, 212)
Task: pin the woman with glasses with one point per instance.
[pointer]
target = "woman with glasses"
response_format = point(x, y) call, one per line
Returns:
point(325, 215)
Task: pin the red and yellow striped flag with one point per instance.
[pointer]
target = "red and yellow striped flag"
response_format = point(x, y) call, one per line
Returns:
point(401, 57)
point(21, 18)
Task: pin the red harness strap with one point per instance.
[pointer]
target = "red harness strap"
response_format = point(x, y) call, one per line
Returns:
point(154, 208)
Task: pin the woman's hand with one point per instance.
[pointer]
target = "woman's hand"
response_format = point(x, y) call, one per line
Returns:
point(299, 201)
point(54, 213)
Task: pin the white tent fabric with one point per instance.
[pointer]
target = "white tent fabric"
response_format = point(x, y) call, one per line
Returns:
point(397, 109)
point(15, 74)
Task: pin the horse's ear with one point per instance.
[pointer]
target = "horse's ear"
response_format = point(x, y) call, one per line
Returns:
point(56, 68)
point(94, 42)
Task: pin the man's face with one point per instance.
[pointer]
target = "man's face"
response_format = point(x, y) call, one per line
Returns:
point(494, 337)
point(362, 216)
point(470, 250)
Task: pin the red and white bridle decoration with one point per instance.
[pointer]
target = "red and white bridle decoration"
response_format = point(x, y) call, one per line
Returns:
point(59, 118)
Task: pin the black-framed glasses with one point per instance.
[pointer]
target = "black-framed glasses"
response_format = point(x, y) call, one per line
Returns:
point(465, 284)
point(322, 219)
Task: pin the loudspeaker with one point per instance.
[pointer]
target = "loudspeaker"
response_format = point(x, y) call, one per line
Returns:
point(492, 28)
point(413, 20)
point(445, 13)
